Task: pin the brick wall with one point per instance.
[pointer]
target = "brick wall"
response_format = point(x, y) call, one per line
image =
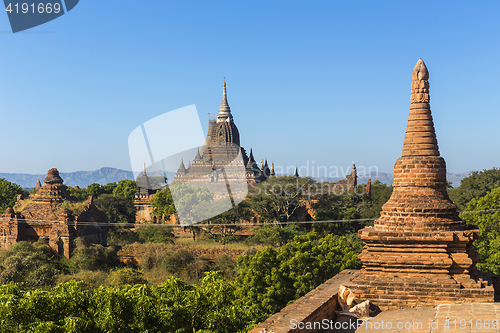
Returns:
point(317, 305)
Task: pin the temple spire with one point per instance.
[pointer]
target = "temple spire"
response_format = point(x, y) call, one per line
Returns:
point(182, 168)
point(251, 158)
point(420, 138)
point(198, 156)
point(272, 170)
point(224, 110)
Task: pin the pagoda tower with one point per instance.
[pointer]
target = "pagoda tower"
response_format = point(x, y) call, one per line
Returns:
point(419, 251)
point(220, 150)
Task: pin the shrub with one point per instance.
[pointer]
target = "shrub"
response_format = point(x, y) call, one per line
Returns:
point(34, 265)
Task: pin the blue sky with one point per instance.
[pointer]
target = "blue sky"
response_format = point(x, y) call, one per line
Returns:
point(320, 81)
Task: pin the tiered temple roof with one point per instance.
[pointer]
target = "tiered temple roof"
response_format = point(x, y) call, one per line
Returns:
point(221, 150)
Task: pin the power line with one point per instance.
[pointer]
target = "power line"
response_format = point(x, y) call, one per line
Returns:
point(201, 224)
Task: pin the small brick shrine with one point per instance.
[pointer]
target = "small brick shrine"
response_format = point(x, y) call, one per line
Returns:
point(43, 217)
point(419, 251)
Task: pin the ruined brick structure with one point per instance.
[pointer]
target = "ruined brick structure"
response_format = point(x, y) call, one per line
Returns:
point(419, 251)
point(41, 216)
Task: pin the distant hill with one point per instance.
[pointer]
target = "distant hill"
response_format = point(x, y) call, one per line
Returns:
point(78, 178)
point(455, 178)
point(387, 178)
point(110, 175)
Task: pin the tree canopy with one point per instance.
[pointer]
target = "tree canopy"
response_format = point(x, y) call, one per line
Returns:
point(8, 194)
point(271, 278)
point(477, 185)
point(118, 209)
point(278, 198)
point(162, 204)
point(485, 214)
point(126, 188)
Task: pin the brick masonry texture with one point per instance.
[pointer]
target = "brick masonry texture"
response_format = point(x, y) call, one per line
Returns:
point(419, 251)
point(42, 216)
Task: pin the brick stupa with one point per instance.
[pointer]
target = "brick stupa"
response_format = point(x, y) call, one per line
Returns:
point(419, 251)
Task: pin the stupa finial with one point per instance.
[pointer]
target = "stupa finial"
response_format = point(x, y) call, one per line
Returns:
point(420, 85)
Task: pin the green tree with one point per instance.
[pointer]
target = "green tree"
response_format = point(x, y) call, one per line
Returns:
point(163, 204)
point(485, 214)
point(226, 232)
point(474, 187)
point(174, 306)
point(96, 190)
point(274, 235)
point(126, 188)
point(155, 234)
point(117, 208)
point(8, 194)
point(157, 182)
point(278, 198)
point(92, 257)
point(372, 205)
point(271, 278)
point(34, 265)
point(190, 201)
point(79, 193)
point(340, 210)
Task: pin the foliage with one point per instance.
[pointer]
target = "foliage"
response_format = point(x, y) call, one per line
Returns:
point(271, 278)
point(92, 257)
point(485, 214)
point(332, 207)
point(157, 182)
point(350, 206)
point(120, 236)
point(372, 205)
point(274, 235)
point(227, 233)
point(87, 279)
point(76, 208)
point(122, 276)
point(93, 189)
point(32, 264)
point(126, 188)
point(180, 263)
point(79, 193)
point(144, 234)
point(190, 202)
point(477, 185)
point(163, 204)
point(8, 194)
point(278, 198)
point(155, 234)
point(118, 209)
point(96, 189)
point(172, 307)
